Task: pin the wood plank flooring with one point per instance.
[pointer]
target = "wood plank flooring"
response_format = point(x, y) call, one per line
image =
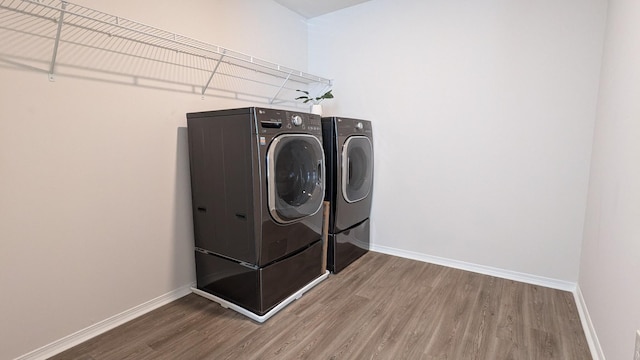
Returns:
point(381, 307)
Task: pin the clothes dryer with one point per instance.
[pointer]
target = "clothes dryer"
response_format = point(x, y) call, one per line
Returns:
point(348, 146)
point(257, 183)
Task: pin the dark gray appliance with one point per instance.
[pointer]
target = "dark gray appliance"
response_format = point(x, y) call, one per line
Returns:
point(348, 146)
point(257, 183)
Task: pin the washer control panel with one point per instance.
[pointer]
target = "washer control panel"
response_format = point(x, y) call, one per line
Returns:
point(277, 121)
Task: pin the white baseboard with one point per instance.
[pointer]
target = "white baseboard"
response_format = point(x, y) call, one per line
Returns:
point(481, 269)
point(96, 329)
point(587, 325)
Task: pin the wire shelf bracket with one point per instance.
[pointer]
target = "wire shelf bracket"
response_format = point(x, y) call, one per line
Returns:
point(204, 88)
point(52, 67)
point(279, 89)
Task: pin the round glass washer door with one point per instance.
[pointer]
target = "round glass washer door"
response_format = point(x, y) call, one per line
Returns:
point(295, 177)
point(357, 168)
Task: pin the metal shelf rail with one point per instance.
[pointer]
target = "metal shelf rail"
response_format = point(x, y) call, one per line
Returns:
point(55, 33)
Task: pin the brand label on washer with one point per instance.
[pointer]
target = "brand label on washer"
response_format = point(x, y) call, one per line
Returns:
point(263, 141)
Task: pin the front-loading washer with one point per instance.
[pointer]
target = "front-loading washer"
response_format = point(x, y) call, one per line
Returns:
point(348, 146)
point(257, 184)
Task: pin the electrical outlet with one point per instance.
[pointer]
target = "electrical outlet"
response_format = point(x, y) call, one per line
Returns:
point(636, 355)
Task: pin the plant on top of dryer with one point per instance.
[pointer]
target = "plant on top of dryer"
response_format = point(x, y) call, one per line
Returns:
point(317, 100)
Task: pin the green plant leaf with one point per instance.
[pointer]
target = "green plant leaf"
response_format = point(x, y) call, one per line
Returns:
point(307, 98)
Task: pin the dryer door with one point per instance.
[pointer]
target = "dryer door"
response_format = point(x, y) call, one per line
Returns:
point(295, 177)
point(357, 168)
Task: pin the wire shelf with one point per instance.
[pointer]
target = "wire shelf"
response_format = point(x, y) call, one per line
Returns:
point(60, 37)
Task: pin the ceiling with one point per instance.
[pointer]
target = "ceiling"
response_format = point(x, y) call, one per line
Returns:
point(313, 8)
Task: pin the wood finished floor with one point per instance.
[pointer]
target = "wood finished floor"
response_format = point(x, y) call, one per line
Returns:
point(381, 307)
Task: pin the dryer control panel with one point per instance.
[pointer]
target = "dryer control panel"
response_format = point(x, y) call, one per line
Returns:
point(347, 127)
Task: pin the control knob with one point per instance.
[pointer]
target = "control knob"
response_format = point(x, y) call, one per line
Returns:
point(296, 120)
point(359, 126)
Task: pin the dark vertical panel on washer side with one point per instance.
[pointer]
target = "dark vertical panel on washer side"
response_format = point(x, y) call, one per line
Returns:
point(221, 181)
point(331, 163)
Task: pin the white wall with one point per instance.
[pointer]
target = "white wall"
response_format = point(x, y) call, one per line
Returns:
point(94, 185)
point(610, 263)
point(483, 118)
